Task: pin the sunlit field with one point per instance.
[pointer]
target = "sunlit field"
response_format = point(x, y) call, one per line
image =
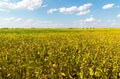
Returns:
point(60, 53)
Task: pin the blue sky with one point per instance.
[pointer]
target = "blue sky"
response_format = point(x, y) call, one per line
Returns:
point(59, 13)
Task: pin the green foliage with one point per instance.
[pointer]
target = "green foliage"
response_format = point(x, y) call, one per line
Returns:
point(59, 54)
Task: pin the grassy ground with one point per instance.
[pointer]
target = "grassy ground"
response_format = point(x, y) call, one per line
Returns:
point(59, 53)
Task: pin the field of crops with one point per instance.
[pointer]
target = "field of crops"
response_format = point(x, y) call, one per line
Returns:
point(59, 53)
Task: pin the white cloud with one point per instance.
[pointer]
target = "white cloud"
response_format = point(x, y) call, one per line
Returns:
point(14, 22)
point(9, 19)
point(91, 19)
point(81, 10)
point(96, 23)
point(22, 5)
point(4, 0)
point(52, 10)
point(118, 15)
point(68, 10)
point(12, 19)
point(84, 7)
point(88, 22)
point(108, 6)
point(113, 23)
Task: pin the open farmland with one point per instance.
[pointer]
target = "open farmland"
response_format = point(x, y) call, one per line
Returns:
point(59, 53)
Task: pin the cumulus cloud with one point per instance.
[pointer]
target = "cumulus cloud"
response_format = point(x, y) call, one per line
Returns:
point(21, 5)
point(91, 19)
point(113, 23)
point(12, 19)
point(118, 15)
point(84, 7)
point(92, 22)
point(88, 22)
point(68, 10)
point(15, 22)
point(52, 10)
point(108, 6)
point(81, 10)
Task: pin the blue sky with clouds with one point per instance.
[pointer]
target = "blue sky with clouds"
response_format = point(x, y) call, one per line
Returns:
point(59, 13)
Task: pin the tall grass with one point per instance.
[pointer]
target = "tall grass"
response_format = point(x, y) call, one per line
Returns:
point(59, 54)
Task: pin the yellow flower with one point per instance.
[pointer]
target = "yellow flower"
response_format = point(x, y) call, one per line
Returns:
point(63, 74)
point(54, 65)
point(91, 71)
